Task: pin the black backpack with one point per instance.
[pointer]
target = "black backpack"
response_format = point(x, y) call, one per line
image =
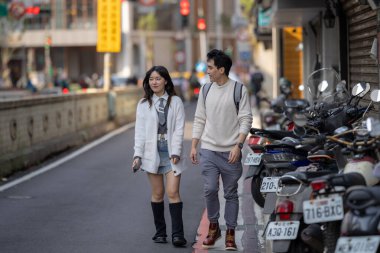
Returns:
point(238, 89)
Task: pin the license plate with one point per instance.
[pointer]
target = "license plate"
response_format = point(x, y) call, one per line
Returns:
point(282, 230)
point(355, 244)
point(323, 210)
point(269, 184)
point(253, 159)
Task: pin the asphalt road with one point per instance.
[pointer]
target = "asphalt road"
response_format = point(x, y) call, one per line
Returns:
point(94, 203)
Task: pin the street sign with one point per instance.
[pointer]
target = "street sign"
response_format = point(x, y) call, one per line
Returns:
point(17, 10)
point(180, 57)
point(109, 26)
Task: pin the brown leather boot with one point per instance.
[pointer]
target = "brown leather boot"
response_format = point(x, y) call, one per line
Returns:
point(230, 239)
point(213, 235)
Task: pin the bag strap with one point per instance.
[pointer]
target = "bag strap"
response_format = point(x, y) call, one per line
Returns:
point(206, 89)
point(238, 91)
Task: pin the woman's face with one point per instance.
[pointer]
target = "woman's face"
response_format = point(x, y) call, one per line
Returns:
point(157, 83)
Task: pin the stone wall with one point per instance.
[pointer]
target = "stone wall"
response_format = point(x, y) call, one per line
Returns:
point(33, 129)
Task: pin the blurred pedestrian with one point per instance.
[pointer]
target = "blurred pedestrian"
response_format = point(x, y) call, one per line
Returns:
point(30, 86)
point(159, 130)
point(257, 79)
point(222, 126)
point(194, 85)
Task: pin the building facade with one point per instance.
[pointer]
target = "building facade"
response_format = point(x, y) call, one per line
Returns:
point(60, 41)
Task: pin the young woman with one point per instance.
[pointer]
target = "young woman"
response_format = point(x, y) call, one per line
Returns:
point(159, 129)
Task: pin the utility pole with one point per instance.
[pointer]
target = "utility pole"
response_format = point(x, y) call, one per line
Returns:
point(201, 25)
point(48, 65)
point(125, 58)
point(218, 11)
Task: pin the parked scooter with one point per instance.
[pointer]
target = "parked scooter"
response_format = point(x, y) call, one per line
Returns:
point(274, 118)
point(294, 186)
point(265, 157)
point(361, 224)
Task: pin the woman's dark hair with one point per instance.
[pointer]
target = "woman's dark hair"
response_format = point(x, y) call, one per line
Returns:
point(169, 87)
point(220, 60)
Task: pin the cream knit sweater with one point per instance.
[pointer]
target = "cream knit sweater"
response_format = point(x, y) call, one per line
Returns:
point(216, 122)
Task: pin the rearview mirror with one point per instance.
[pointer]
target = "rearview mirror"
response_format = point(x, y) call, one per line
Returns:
point(322, 86)
point(373, 126)
point(360, 89)
point(375, 95)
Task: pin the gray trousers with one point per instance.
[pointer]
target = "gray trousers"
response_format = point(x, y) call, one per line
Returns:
point(215, 164)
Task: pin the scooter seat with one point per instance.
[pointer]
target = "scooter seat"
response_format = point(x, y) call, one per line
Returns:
point(305, 177)
point(326, 154)
point(280, 165)
point(345, 180)
point(361, 197)
point(274, 134)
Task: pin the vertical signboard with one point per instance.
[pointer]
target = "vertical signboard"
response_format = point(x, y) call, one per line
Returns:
point(109, 26)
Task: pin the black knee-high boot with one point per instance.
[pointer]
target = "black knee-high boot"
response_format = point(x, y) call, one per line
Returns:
point(159, 222)
point(178, 238)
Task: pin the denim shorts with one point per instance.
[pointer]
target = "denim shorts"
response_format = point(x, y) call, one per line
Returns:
point(165, 165)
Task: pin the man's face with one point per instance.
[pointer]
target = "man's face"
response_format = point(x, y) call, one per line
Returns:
point(213, 72)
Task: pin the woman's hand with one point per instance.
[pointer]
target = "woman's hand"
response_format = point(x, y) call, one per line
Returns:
point(175, 159)
point(136, 164)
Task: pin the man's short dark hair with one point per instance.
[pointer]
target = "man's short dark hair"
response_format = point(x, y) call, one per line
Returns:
point(220, 60)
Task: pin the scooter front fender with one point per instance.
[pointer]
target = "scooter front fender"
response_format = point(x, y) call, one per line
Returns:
point(270, 203)
point(281, 246)
point(253, 170)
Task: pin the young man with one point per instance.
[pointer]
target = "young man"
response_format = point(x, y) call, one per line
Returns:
point(222, 128)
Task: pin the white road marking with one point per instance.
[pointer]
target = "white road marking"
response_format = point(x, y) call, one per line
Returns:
point(67, 158)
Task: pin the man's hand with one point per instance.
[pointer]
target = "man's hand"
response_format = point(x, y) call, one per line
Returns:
point(235, 154)
point(193, 156)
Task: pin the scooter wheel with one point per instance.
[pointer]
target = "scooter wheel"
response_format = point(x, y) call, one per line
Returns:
point(255, 191)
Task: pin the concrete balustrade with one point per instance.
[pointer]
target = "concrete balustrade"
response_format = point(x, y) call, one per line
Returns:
point(35, 128)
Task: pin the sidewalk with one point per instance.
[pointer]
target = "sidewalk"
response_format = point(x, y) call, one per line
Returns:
point(248, 232)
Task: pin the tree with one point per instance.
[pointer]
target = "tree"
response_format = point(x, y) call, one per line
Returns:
point(11, 31)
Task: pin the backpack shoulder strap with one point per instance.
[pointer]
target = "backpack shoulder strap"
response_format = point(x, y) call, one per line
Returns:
point(238, 90)
point(206, 89)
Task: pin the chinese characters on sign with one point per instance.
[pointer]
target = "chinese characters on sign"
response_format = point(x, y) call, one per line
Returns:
point(109, 30)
